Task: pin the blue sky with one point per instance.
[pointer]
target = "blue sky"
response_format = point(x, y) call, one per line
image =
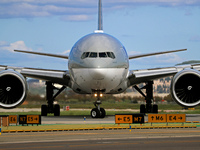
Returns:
point(143, 26)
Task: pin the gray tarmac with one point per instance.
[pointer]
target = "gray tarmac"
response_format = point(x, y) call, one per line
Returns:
point(77, 120)
point(89, 120)
point(105, 139)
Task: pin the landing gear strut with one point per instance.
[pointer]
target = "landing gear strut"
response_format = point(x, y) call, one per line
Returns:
point(98, 112)
point(50, 97)
point(148, 97)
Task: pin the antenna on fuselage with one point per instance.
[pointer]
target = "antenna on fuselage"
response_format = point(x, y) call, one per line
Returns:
point(100, 22)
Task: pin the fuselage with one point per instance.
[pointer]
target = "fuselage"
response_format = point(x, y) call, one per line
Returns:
point(98, 62)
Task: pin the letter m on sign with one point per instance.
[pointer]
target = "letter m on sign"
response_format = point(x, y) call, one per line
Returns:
point(157, 118)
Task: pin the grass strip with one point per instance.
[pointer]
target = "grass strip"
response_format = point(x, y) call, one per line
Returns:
point(87, 112)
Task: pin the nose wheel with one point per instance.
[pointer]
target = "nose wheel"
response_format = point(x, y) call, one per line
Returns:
point(98, 112)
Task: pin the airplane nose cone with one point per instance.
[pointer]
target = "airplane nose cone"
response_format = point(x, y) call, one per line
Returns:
point(98, 63)
point(96, 74)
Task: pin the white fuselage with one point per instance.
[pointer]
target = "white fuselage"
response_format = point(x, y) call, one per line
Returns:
point(98, 62)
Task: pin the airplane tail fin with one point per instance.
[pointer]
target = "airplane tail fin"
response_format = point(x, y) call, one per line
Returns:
point(100, 22)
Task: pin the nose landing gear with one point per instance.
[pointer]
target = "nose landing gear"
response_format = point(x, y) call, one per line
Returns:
point(98, 112)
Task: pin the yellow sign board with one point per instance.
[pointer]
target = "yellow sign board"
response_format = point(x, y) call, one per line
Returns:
point(123, 119)
point(13, 119)
point(33, 119)
point(176, 118)
point(157, 118)
point(29, 119)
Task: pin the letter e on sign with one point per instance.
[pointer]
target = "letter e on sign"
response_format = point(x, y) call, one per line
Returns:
point(13, 119)
point(123, 119)
point(176, 118)
point(33, 119)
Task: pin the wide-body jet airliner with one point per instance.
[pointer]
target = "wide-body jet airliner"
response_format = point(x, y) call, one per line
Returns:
point(98, 64)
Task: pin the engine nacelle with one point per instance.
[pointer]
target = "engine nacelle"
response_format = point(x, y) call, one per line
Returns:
point(13, 89)
point(185, 88)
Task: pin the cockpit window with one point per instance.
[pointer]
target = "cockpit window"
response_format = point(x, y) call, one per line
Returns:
point(111, 55)
point(103, 54)
point(93, 55)
point(85, 55)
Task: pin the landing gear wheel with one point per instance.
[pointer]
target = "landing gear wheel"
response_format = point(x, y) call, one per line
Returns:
point(50, 97)
point(149, 108)
point(95, 113)
point(44, 110)
point(102, 113)
point(142, 109)
point(155, 108)
point(56, 110)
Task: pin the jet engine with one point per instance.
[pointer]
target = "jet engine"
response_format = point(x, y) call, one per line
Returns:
point(185, 88)
point(13, 89)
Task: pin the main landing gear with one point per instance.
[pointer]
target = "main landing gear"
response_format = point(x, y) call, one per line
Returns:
point(148, 97)
point(50, 97)
point(98, 112)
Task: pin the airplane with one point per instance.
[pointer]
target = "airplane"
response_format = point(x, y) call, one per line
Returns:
point(98, 64)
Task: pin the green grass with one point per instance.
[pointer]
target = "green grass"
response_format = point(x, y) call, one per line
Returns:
point(87, 112)
point(109, 105)
point(66, 113)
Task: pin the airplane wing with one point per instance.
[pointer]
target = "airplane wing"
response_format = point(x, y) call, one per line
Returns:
point(156, 53)
point(141, 76)
point(44, 54)
point(56, 76)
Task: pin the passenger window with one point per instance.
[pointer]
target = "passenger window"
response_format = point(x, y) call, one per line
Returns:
point(93, 55)
point(103, 54)
point(85, 55)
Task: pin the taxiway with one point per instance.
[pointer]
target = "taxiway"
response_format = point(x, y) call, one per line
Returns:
point(107, 139)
